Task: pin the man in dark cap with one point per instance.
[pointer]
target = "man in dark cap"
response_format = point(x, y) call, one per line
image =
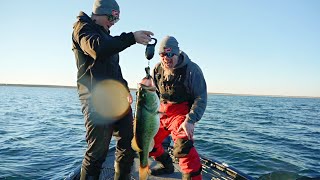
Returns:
point(97, 58)
point(183, 99)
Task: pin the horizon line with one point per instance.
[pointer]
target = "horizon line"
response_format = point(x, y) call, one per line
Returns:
point(215, 93)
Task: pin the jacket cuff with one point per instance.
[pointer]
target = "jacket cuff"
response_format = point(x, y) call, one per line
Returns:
point(132, 40)
point(189, 120)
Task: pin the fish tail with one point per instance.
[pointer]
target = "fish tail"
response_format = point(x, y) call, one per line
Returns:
point(144, 173)
point(134, 145)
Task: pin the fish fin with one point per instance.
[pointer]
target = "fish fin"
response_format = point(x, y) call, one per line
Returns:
point(151, 145)
point(144, 173)
point(134, 145)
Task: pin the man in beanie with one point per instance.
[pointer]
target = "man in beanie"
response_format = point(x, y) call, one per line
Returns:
point(97, 59)
point(183, 100)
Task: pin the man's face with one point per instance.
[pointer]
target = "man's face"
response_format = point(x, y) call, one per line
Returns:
point(169, 60)
point(110, 19)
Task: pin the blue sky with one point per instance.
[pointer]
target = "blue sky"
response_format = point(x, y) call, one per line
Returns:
point(265, 47)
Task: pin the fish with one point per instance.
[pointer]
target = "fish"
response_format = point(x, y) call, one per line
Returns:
point(146, 123)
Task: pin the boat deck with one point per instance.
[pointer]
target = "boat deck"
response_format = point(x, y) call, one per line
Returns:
point(108, 170)
point(213, 170)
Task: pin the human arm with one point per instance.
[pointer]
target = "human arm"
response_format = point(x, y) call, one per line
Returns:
point(198, 90)
point(95, 43)
point(196, 86)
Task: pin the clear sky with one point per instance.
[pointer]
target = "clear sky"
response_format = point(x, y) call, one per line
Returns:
point(265, 47)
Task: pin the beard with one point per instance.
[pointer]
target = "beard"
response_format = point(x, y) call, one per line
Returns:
point(168, 73)
point(168, 65)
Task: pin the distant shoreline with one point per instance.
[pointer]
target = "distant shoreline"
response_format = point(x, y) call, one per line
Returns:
point(222, 94)
point(36, 85)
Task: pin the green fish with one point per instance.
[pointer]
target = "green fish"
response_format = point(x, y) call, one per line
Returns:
point(146, 123)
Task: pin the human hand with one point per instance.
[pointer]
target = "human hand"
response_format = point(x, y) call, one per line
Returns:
point(143, 37)
point(188, 128)
point(130, 98)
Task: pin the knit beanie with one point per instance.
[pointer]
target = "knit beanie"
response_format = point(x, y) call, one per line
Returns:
point(169, 44)
point(109, 7)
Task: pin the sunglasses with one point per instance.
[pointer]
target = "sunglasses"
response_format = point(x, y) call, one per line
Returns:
point(112, 18)
point(168, 54)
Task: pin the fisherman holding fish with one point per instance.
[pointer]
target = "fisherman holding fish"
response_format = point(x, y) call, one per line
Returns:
point(183, 99)
point(97, 59)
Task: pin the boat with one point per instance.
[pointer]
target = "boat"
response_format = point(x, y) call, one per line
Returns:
point(211, 169)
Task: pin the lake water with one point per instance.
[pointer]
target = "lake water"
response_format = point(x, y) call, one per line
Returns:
point(42, 133)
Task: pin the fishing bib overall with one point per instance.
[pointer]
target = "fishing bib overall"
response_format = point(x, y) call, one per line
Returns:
point(175, 105)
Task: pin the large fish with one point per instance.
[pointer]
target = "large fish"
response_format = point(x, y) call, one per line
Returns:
point(146, 123)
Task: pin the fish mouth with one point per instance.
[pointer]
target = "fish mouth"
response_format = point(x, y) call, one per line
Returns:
point(147, 81)
point(149, 88)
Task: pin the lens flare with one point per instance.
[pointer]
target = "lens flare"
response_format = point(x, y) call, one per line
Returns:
point(110, 99)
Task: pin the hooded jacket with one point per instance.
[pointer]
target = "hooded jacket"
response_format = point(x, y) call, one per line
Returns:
point(96, 53)
point(194, 83)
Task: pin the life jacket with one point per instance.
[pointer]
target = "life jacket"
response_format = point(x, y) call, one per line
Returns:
point(173, 88)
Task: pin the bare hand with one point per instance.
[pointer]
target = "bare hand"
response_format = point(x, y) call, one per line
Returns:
point(130, 98)
point(188, 128)
point(143, 37)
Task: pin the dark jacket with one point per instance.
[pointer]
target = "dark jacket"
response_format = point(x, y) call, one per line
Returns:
point(96, 53)
point(195, 85)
